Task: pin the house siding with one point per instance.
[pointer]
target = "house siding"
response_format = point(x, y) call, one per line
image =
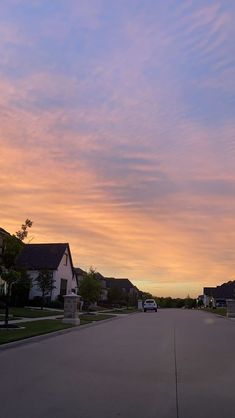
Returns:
point(63, 272)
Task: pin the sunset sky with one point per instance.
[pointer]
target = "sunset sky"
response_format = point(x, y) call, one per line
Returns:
point(117, 135)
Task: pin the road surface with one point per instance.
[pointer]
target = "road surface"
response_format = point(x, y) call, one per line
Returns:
point(169, 364)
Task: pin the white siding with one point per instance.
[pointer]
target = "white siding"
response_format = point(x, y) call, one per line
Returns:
point(63, 272)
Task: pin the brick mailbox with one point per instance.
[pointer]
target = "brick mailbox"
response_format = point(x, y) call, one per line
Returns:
point(231, 308)
point(71, 315)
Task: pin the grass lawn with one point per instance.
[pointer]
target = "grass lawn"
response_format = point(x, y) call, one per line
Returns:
point(11, 318)
point(123, 311)
point(90, 318)
point(31, 329)
point(43, 327)
point(30, 313)
point(218, 311)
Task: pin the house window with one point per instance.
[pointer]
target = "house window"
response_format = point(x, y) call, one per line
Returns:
point(63, 286)
point(65, 259)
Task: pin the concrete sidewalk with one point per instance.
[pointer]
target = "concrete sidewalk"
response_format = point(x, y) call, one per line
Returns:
point(18, 321)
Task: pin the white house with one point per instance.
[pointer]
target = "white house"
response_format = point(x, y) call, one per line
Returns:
point(55, 258)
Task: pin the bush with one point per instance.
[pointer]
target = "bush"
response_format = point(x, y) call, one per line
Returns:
point(36, 301)
point(57, 304)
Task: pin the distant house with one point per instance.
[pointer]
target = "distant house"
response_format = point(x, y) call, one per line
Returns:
point(55, 258)
point(209, 296)
point(3, 235)
point(104, 290)
point(81, 274)
point(124, 285)
point(218, 296)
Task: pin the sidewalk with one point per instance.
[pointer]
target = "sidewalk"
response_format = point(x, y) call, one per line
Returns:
point(18, 321)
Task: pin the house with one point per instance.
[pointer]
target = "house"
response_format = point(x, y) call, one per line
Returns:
point(3, 235)
point(55, 258)
point(125, 285)
point(209, 296)
point(81, 274)
point(218, 296)
point(104, 290)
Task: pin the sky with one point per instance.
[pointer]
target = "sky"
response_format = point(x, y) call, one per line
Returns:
point(117, 135)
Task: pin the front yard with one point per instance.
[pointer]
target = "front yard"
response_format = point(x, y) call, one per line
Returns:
point(45, 326)
point(124, 311)
point(218, 311)
point(30, 329)
point(29, 313)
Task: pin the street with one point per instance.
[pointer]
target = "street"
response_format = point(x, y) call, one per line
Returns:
point(169, 364)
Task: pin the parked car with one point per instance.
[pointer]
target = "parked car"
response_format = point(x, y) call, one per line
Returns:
point(150, 305)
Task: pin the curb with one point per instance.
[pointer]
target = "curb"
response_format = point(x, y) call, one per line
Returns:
point(219, 316)
point(41, 337)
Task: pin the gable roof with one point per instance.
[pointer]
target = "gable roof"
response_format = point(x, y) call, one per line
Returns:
point(79, 272)
point(209, 291)
point(3, 232)
point(121, 283)
point(41, 256)
point(125, 284)
point(224, 291)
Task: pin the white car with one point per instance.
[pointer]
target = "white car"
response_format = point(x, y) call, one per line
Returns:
point(149, 305)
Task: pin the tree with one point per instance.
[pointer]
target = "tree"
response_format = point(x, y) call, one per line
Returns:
point(45, 283)
point(10, 276)
point(190, 303)
point(23, 232)
point(12, 247)
point(20, 289)
point(90, 287)
point(116, 295)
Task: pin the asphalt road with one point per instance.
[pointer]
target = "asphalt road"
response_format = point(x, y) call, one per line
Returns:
point(170, 364)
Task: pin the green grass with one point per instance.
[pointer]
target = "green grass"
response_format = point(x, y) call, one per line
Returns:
point(31, 329)
point(98, 317)
point(123, 311)
point(218, 311)
point(11, 318)
point(34, 328)
point(30, 313)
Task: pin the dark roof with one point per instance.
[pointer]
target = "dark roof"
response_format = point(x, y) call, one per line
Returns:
point(121, 283)
point(41, 256)
point(225, 291)
point(209, 291)
point(79, 271)
point(99, 276)
point(4, 232)
point(125, 284)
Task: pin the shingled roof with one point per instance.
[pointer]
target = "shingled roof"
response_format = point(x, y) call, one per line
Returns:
point(79, 271)
point(121, 283)
point(3, 232)
point(41, 256)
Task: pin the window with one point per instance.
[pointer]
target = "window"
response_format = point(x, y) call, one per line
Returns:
point(65, 259)
point(63, 286)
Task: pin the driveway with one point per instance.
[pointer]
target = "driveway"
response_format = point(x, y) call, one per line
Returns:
point(169, 364)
